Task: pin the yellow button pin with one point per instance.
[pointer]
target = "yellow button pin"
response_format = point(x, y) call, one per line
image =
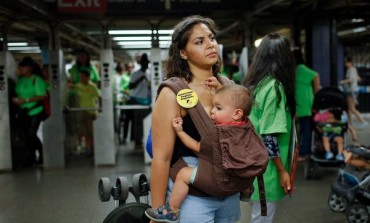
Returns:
point(187, 98)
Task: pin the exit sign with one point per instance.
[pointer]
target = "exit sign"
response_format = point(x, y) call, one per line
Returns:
point(82, 6)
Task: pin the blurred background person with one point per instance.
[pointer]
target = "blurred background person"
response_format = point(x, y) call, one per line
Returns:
point(351, 89)
point(140, 95)
point(307, 84)
point(89, 98)
point(30, 92)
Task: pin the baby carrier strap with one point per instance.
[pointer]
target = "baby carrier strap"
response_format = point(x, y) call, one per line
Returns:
point(199, 116)
point(205, 127)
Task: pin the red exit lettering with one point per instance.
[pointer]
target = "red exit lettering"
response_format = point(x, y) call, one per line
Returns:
point(99, 6)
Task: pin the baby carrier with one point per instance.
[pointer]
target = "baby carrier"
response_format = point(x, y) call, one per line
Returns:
point(227, 165)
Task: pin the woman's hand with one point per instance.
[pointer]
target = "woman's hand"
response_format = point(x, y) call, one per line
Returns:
point(285, 181)
point(18, 101)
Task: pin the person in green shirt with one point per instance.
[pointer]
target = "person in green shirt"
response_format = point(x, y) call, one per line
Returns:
point(271, 79)
point(82, 63)
point(89, 98)
point(30, 92)
point(307, 84)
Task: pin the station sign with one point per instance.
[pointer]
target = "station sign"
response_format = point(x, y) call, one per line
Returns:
point(82, 6)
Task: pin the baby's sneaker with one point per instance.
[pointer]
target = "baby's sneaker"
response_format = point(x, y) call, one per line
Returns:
point(163, 214)
point(329, 155)
point(339, 157)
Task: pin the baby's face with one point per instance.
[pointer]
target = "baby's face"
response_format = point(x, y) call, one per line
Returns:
point(223, 108)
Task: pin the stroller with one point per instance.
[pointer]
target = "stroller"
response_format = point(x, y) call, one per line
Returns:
point(325, 99)
point(126, 212)
point(351, 191)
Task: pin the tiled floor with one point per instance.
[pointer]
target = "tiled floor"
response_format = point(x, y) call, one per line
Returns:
point(71, 194)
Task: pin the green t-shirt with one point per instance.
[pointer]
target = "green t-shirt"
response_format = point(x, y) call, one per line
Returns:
point(125, 81)
point(268, 117)
point(74, 72)
point(88, 95)
point(29, 87)
point(304, 90)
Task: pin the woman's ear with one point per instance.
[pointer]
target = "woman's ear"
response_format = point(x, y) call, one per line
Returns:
point(238, 114)
point(183, 55)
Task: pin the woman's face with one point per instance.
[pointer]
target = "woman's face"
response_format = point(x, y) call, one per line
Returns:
point(202, 48)
point(24, 70)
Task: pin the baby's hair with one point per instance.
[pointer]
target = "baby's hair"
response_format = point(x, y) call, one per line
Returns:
point(240, 95)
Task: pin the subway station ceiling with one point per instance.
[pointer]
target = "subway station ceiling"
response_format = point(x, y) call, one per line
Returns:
point(83, 23)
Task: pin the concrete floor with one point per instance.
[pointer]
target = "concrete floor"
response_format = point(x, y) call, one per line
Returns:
point(71, 194)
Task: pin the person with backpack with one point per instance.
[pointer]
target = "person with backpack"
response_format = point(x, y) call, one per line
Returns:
point(271, 79)
point(231, 106)
point(30, 92)
point(193, 57)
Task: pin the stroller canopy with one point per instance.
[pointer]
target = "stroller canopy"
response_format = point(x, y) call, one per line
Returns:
point(330, 97)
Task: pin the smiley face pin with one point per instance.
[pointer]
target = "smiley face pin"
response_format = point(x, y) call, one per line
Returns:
point(187, 98)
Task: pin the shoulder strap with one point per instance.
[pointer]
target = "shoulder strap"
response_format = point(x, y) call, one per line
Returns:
point(197, 113)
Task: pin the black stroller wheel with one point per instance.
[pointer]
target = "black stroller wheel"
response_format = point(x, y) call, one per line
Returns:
point(128, 213)
point(104, 189)
point(357, 213)
point(337, 203)
point(122, 184)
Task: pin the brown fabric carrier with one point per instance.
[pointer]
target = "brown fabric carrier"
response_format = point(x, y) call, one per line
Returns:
point(228, 165)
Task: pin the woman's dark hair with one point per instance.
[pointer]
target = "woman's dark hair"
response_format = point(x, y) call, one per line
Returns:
point(83, 52)
point(119, 67)
point(175, 65)
point(273, 57)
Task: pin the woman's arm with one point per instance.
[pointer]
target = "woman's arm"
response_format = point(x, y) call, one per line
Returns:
point(284, 175)
point(163, 136)
point(316, 83)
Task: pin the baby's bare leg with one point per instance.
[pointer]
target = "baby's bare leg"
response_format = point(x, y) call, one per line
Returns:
point(326, 143)
point(340, 143)
point(180, 188)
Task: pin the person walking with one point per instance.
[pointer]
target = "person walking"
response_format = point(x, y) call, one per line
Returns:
point(350, 85)
point(307, 84)
point(271, 79)
point(30, 91)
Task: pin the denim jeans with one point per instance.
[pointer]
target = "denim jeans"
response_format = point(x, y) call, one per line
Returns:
point(207, 209)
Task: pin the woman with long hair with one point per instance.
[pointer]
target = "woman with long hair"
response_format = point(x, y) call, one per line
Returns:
point(193, 56)
point(271, 79)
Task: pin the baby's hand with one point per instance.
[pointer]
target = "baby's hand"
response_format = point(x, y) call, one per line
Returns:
point(177, 124)
point(212, 82)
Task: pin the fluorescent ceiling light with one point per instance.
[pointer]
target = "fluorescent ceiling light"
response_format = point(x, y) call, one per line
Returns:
point(26, 49)
point(133, 43)
point(358, 30)
point(18, 44)
point(128, 43)
point(357, 20)
point(140, 32)
point(129, 32)
point(164, 31)
point(257, 42)
point(133, 38)
point(142, 46)
point(165, 38)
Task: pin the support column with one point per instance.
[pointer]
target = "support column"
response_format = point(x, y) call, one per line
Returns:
point(7, 64)
point(53, 127)
point(104, 146)
point(326, 52)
